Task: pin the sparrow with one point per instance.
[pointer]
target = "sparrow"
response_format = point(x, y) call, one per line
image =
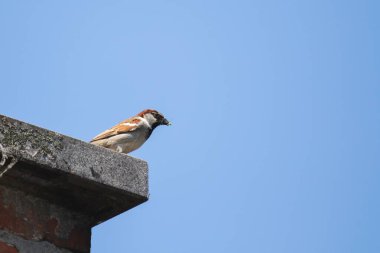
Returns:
point(131, 133)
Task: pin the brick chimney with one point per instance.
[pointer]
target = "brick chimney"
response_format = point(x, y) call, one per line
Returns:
point(54, 189)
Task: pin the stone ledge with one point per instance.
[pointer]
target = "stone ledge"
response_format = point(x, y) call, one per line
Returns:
point(77, 175)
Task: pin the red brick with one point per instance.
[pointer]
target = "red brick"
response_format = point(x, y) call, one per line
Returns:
point(33, 221)
point(6, 248)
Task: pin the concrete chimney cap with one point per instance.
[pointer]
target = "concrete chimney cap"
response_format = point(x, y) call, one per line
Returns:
point(77, 175)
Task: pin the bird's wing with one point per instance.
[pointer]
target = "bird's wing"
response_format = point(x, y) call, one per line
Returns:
point(125, 126)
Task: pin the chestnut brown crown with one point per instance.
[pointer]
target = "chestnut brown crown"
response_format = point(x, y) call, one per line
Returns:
point(159, 118)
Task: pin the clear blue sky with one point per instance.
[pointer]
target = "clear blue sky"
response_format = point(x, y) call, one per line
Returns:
point(275, 143)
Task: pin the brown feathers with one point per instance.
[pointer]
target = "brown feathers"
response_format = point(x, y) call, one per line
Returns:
point(131, 133)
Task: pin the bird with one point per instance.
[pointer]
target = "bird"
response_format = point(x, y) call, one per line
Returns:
point(131, 133)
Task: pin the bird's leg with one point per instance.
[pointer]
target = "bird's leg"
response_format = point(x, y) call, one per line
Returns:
point(119, 149)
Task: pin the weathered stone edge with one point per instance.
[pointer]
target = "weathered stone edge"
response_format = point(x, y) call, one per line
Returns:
point(52, 150)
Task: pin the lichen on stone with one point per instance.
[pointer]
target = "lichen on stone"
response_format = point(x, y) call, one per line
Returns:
point(33, 141)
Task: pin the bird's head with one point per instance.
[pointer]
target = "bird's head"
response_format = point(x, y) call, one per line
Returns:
point(154, 118)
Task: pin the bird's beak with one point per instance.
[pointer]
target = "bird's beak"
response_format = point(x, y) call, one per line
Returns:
point(166, 122)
